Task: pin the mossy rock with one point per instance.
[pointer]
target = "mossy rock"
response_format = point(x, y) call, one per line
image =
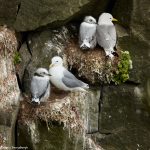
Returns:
point(124, 65)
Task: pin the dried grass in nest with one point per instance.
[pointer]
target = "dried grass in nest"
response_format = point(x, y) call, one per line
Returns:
point(61, 107)
point(89, 64)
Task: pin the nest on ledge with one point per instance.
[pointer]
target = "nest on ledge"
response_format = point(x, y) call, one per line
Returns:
point(62, 107)
point(91, 64)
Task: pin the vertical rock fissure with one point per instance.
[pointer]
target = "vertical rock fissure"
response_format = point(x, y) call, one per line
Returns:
point(16, 133)
point(19, 5)
point(28, 45)
point(100, 103)
point(19, 81)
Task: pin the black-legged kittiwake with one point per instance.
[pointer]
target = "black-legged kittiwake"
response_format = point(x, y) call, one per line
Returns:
point(63, 79)
point(87, 33)
point(40, 85)
point(106, 33)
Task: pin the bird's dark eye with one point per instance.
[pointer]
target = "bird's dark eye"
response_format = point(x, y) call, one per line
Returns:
point(90, 20)
point(56, 61)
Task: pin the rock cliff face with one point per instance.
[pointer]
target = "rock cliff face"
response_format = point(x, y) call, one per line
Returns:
point(109, 116)
point(9, 90)
point(30, 15)
point(135, 15)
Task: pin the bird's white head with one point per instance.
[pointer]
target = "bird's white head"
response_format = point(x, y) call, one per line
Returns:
point(106, 18)
point(90, 19)
point(41, 72)
point(56, 61)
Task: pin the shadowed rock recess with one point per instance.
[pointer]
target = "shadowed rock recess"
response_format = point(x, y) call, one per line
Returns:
point(115, 112)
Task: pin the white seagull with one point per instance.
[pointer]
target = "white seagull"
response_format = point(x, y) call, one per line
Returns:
point(63, 79)
point(106, 33)
point(40, 85)
point(87, 33)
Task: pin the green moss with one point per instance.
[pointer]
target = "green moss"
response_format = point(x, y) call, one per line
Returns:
point(17, 58)
point(122, 73)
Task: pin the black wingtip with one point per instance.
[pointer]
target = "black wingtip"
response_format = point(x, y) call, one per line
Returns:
point(115, 54)
point(34, 103)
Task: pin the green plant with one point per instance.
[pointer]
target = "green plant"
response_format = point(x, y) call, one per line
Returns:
point(17, 58)
point(122, 73)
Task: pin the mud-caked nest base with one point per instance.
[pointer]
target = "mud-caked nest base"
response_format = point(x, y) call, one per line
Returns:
point(91, 64)
point(63, 107)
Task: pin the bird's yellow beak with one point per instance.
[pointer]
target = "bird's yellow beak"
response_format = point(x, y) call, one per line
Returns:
point(51, 65)
point(114, 19)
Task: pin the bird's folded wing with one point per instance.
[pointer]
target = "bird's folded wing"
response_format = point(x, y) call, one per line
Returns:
point(112, 33)
point(103, 36)
point(38, 87)
point(70, 80)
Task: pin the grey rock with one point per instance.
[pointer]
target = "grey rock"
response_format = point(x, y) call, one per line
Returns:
point(147, 92)
point(33, 14)
point(131, 137)
point(25, 60)
point(139, 52)
point(43, 46)
point(36, 136)
point(93, 110)
point(8, 11)
point(122, 105)
point(124, 118)
point(135, 15)
point(62, 124)
point(9, 90)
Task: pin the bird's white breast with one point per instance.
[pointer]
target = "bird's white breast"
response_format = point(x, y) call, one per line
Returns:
point(87, 29)
point(56, 77)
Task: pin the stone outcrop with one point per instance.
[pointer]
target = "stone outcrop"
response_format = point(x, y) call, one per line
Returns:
point(61, 123)
point(9, 90)
point(134, 14)
point(44, 45)
point(30, 15)
point(8, 11)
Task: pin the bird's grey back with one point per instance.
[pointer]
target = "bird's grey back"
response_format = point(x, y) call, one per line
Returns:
point(39, 86)
point(70, 80)
point(106, 36)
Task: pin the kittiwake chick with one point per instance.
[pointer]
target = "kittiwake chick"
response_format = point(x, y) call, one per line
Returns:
point(106, 33)
point(40, 85)
point(63, 79)
point(87, 33)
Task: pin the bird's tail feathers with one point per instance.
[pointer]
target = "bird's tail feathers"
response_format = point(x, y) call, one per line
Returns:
point(111, 56)
point(86, 86)
point(37, 100)
point(85, 45)
point(110, 52)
